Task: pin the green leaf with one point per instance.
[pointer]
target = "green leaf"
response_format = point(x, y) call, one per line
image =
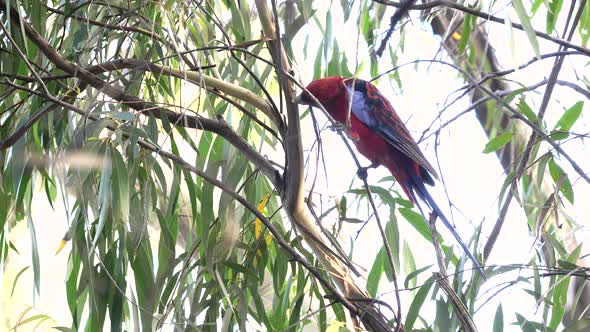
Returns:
point(570, 117)
point(498, 142)
point(552, 15)
point(510, 37)
point(103, 196)
point(529, 326)
point(584, 26)
point(409, 262)
point(34, 245)
point(33, 318)
point(50, 190)
point(567, 265)
point(507, 183)
point(317, 65)
point(559, 302)
point(542, 166)
point(346, 7)
point(241, 269)
point(526, 24)
point(375, 274)
point(328, 33)
point(468, 21)
point(279, 271)
point(339, 312)
point(499, 320)
point(537, 285)
point(334, 63)
point(416, 220)
point(558, 135)
point(344, 71)
point(16, 279)
point(566, 186)
point(166, 246)
point(526, 110)
point(411, 279)
point(120, 183)
point(259, 305)
point(392, 236)
point(116, 115)
point(536, 6)
point(62, 328)
point(443, 319)
point(294, 318)
point(417, 303)
point(145, 284)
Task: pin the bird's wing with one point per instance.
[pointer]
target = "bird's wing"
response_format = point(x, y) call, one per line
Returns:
point(375, 111)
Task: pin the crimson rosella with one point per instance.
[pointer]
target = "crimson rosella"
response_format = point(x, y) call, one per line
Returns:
point(380, 136)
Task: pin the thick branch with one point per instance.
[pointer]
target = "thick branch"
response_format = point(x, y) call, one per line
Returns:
point(195, 77)
point(293, 193)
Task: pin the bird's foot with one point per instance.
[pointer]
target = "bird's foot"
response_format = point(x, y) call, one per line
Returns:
point(353, 136)
point(340, 127)
point(337, 126)
point(362, 171)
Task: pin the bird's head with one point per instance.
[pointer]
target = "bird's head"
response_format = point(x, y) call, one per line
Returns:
point(325, 90)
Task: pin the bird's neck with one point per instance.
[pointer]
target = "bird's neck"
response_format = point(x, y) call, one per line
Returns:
point(338, 108)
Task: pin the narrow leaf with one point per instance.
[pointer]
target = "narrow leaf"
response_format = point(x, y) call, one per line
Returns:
point(570, 117)
point(16, 279)
point(417, 303)
point(525, 109)
point(375, 274)
point(561, 180)
point(499, 320)
point(528, 27)
point(497, 142)
point(552, 14)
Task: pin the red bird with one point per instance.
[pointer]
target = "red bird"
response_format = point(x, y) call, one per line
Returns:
point(380, 136)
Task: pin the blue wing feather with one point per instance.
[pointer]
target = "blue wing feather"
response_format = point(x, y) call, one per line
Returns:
point(375, 112)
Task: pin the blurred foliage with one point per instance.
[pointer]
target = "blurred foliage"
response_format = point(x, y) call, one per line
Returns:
point(213, 265)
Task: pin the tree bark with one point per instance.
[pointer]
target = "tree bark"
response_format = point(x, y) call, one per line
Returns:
point(293, 193)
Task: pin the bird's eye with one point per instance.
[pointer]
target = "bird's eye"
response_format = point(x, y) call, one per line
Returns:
point(304, 99)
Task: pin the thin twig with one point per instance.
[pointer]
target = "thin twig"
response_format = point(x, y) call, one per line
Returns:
point(401, 11)
point(486, 16)
point(532, 140)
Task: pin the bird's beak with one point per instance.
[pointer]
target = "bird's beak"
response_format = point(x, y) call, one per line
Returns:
point(299, 99)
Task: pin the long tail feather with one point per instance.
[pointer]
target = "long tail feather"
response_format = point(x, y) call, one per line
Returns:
point(417, 187)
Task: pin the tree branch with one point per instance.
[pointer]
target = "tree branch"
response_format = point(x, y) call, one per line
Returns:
point(533, 138)
point(198, 122)
point(486, 16)
point(187, 166)
point(401, 11)
point(118, 27)
point(293, 193)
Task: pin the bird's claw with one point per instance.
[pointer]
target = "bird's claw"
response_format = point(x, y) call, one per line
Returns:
point(345, 129)
point(362, 171)
point(338, 127)
point(353, 136)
